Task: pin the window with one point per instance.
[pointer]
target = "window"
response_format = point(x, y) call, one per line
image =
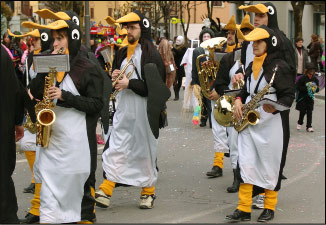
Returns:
point(92, 13)
point(218, 3)
point(291, 27)
point(110, 12)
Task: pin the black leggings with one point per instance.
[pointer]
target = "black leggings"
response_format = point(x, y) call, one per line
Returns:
point(309, 117)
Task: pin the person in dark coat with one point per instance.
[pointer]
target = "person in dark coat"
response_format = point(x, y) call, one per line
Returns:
point(307, 86)
point(13, 98)
point(315, 51)
point(179, 49)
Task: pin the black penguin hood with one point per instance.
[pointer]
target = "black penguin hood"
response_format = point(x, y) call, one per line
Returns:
point(272, 15)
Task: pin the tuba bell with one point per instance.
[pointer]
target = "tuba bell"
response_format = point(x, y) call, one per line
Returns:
point(207, 71)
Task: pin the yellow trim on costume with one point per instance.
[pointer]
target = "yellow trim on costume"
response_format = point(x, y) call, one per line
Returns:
point(245, 23)
point(35, 202)
point(259, 8)
point(257, 64)
point(37, 51)
point(131, 49)
point(30, 156)
point(110, 20)
point(240, 35)
point(130, 17)
point(245, 197)
point(48, 14)
point(257, 34)
point(270, 199)
point(56, 25)
point(231, 25)
point(107, 187)
point(121, 31)
point(34, 33)
point(229, 48)
point(218, 159)
point(148, 190)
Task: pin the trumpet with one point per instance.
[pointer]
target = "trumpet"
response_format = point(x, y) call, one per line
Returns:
point(114, 94)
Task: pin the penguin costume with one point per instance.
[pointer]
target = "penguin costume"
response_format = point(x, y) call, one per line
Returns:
point(130, 153)
point(260, 146)
point(287, 53)
point(88, 200)
point(63, 173)
point(229, 64)
point(28, 142)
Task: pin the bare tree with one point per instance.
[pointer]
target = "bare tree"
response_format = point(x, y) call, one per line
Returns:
point(298, 14)
point(7, 13)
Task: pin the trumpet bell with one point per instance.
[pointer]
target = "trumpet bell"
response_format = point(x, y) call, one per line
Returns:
point(46, 117)
point(223, 110)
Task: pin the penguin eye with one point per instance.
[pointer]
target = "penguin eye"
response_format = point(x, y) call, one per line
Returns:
point(44, 36)
point(75, 34)
point(75, 20)
point(270, 10)
point(274, 41)
point(146, 23)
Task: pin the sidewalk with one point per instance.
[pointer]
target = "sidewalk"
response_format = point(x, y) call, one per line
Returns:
point(321, 94)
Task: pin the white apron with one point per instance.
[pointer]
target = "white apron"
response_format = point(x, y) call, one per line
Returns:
point(219, 134)
point(260, 146)
point(131, 156)
point(249, 54)
point(65, 165)
point(232, 133)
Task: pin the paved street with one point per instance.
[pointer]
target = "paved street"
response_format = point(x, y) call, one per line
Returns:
point(186, 195)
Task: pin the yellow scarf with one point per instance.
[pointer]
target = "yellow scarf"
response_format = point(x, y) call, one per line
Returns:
point(257, 64)
point(60, 75)
point(37, 51)
point(229, 48)
point(131, 49)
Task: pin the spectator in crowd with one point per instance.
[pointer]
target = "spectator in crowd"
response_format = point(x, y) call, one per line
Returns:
point(168, 59)
point(315, 51)
point(301, 56)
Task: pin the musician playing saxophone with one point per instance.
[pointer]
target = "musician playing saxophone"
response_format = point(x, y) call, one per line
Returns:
point(65, 164)
point(260, 146)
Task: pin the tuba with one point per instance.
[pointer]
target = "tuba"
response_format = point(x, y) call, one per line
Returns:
point(115, 92)
point(207, 71)
point(223, 108)
point(43, 109)
point(249, 115)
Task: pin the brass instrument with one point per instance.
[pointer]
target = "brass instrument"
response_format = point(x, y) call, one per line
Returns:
point(223, 108)
point(249, 114)
point(43, 109)
point(208, 70)
point(115, 92)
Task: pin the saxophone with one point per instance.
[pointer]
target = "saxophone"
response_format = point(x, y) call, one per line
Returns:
point(43, 109)
point(249, 114)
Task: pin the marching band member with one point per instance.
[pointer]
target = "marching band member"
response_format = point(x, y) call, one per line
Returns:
point(79, 100)
point(88, 211)
point(221, 145)
point(228, 66)
point(261, 146)
point(131, 151)
point(42, 41)
point(205, 34)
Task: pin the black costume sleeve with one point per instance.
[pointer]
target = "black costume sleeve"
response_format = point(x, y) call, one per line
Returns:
point(90, 101)
point(284, 84)
point(194, 73)
point(222, 80)
point(138, 86)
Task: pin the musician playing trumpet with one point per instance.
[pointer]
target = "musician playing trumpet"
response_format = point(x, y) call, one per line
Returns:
point(260, 146)
point(129, 156)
